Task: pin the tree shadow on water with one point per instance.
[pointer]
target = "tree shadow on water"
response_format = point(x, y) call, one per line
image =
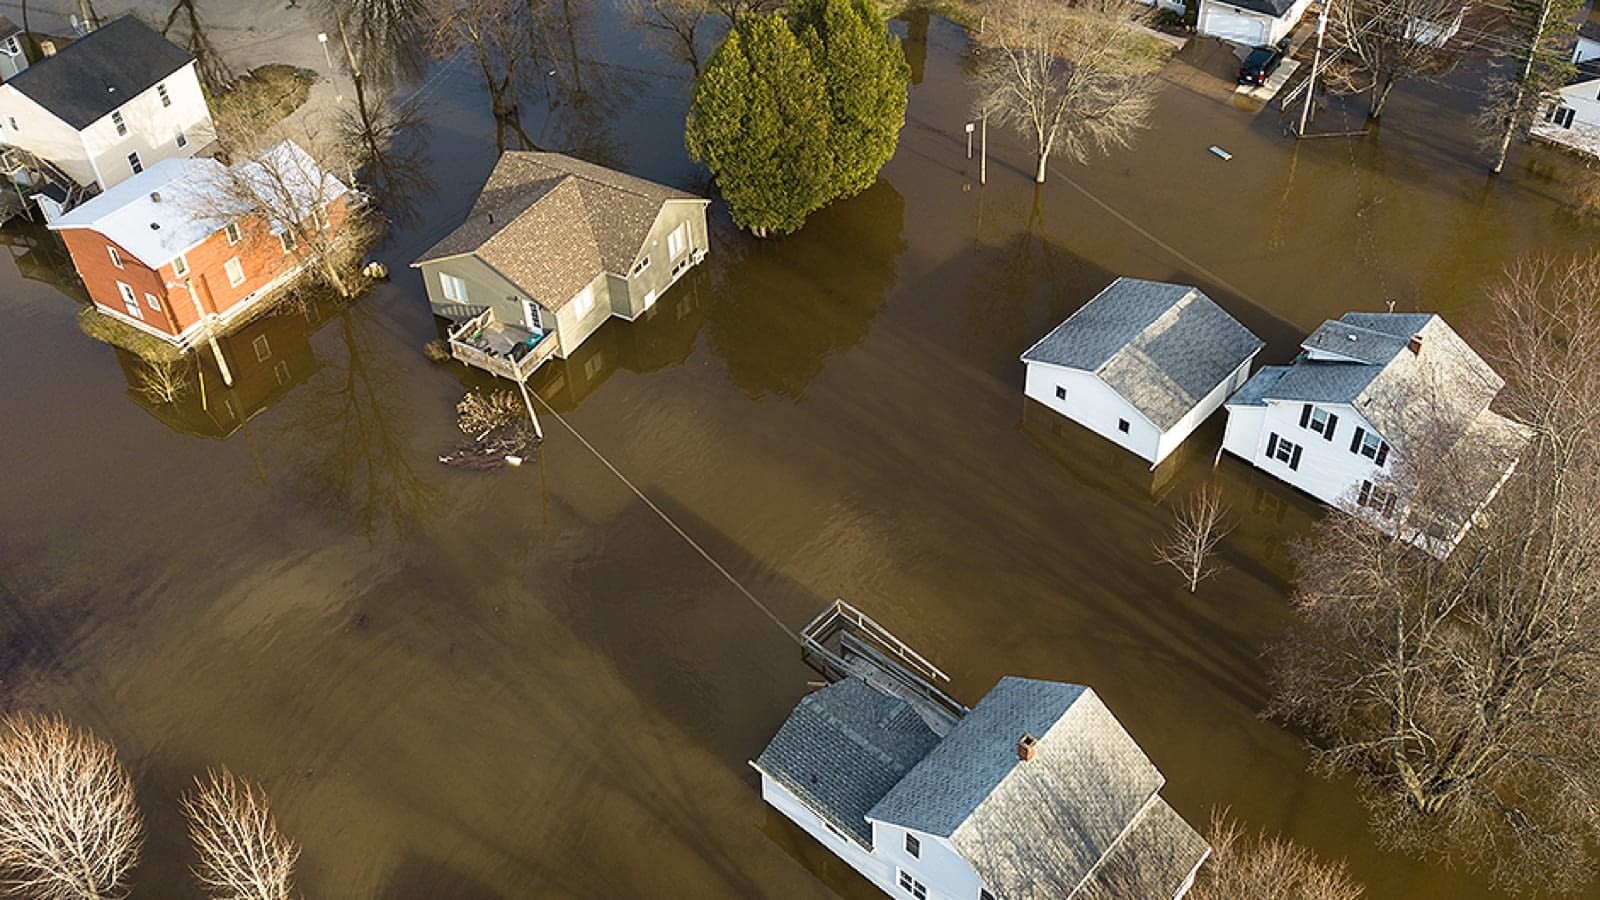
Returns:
point(415, 878)
point(785, 305)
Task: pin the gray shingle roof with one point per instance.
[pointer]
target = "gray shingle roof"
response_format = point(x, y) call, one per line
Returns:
point(1154, 858)
point(1161, 346)
point(1411, 398)
point(1029, 829)
point(843, 748)
point(551, 223)
point(97, 73)
point(8, 27)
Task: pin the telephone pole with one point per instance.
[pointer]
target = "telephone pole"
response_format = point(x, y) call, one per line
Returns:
point(1311, 80)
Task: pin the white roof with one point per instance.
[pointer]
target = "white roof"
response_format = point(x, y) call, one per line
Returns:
point(154, 231)
point(162, 212)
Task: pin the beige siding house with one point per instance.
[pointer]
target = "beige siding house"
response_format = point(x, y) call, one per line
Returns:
point(552, 248)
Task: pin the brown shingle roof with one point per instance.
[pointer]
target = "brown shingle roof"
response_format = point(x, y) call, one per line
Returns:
point(551, 223)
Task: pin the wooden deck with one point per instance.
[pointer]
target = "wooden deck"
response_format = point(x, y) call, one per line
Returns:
point(842, 642)
point(500, 349)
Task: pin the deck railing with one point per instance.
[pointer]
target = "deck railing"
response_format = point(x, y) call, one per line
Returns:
point(503, 365)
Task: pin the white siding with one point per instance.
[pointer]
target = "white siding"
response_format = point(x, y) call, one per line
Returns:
point(1243, 26)
point(1093, 404)
point(1203, 410)
point(878, 871)
point(1587, 49)
point(98, 155)
point(1328, 470)
point(1583, 133)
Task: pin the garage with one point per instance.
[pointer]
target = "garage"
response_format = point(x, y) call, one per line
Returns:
point(1229, 23)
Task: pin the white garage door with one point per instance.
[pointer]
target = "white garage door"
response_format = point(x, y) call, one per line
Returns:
point(1223, 22)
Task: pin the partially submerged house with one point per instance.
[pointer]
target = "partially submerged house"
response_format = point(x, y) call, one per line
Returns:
point(1250, 23)
point(1368, 393)
point(164, 253)
point(108, 106)
point(1572, 119)
point(552, 248)
point(1036, 792)
point(1142, 364)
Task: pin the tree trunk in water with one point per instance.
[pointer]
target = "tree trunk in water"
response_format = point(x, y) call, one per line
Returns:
point(1505, 137)
point(1380, 96)
point(1044, 159)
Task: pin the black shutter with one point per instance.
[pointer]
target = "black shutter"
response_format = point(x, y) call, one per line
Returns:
point(1366, 491)
point(1355, 442)
point(1272, 444)
point(1305, 415)
point(1333, 422)
point(1294, 461)
point(1383, 453)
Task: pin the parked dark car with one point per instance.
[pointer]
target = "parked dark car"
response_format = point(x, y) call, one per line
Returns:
point(1261, 63)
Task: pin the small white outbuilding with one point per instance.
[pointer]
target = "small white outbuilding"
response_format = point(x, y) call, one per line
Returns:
point(1142, 364)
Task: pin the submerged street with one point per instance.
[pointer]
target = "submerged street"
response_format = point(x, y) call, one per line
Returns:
point(526, 684)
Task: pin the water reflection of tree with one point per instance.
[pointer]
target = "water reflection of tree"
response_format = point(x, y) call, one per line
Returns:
point(916, 42)
point(348, 425)
point(585, 92)
point(783, 307)
point(191, 34)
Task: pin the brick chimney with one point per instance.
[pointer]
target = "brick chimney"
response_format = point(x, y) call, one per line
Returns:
point(1027, 746)
point(1415, 345)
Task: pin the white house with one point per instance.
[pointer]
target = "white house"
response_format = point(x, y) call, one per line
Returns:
point(1572, 120)
point(109, 104)
point(1036, 793)
point(1250, 22)
point(1367, 392)
point(1142, 364)
point(1588, 44)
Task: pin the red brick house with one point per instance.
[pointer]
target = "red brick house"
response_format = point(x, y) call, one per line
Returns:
point(161, 252)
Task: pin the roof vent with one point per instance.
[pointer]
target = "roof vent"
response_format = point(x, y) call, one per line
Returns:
point(47, 47)
point(1027, 746)
point(1415, 345)
point(1352, 338)
point(155, 196)
point(155, 226)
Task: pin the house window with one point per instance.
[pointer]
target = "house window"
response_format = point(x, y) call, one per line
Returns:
point(122, 127)
point(134, 163)
point(1370, 445)
point(13, 121)
point(181, 138)
point(1061, 392)
point(641, 265)
point(154, 303)
point(232, 231)
point(678, 241)
point(180, 265)
point(1319, 420)
point(320, 216)
point(454, 288)
point(130, 300)
point(585, 302)
point(235, 272)
point(166, 99)
point(288, 240)
point(912, 886)
point(262, 347)
point(1284, 451)
point(1123, 426)
point(1376, 498)
point(1561, 115)
point(116, 258)
point(913, 846)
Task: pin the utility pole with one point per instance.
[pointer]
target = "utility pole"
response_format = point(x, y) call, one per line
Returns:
point(983, 140)
point(211, 333)
point(1311, 80)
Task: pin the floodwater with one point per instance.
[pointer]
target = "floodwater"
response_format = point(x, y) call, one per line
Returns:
point(523, 683)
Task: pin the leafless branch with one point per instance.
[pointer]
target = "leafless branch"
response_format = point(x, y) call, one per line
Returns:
point(243, 855)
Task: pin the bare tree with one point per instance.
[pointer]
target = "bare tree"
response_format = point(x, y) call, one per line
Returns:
point(1460, 691)
point(1535, 64)
point(69, 827)
point(676, 23)
point(1076, 77)
point(1199, 525)
point(313, 212)
point(497, 36)
point(1263, 867)
point(1391, 41)
point(243, 855)
point(163, 380)
point(382, 43)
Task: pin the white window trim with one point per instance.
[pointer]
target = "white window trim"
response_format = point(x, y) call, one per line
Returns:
point(164, 94)
point(232, 233)
point(116, 258)
point(130, 300)
point(135, 163)
point(584, 303)
point(451, 286)
point(118, 122)
point(287, 240)
point(1284, 452)
point(680, 237)
point(641, 265)
point(180, 265)
point(181, 138)
point(233, 267)
point(154, 303)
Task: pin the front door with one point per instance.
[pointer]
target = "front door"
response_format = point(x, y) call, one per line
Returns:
point(530, 314)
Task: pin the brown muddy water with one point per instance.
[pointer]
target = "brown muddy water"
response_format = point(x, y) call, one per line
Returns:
point(524, 684)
